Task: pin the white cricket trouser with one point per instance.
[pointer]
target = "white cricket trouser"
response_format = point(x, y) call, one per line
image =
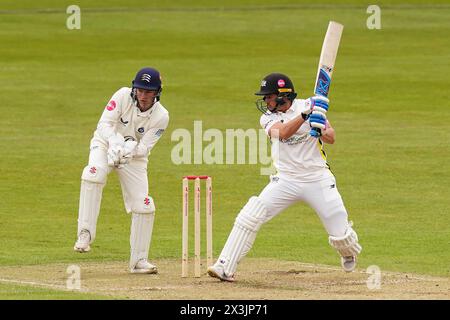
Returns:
point(279, 194)
point(323, 196)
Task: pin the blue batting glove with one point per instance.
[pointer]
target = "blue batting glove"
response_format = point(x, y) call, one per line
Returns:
point(317, 120)
point(320, 104)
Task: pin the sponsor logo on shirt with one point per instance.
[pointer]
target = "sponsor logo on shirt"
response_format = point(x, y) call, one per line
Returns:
point(296, 139)
point(111, 105)
point(123, 122)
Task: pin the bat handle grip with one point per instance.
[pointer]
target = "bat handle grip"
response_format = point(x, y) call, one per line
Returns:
point(315, 132)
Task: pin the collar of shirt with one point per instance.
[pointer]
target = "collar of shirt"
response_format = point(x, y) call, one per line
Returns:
point(147, 113)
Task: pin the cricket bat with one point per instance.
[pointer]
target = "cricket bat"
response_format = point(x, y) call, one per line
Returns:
point(326, 63)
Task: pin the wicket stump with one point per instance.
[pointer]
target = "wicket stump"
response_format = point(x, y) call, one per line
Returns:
point(197, 226)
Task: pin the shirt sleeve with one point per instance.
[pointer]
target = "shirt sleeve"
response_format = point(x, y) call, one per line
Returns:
point(152, 136)
point(107, 124)
point(266, 123)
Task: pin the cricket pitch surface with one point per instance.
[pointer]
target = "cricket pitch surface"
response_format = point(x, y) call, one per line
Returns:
point(257, 279)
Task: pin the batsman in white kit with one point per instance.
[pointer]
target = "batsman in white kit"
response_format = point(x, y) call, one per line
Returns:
point(302, 175)
point(130, 126)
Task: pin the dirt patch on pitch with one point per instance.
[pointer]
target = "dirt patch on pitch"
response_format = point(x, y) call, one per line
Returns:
point(257, 279)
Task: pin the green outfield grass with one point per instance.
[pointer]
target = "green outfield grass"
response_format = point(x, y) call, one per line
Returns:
point(23, 292)
point(389, 106)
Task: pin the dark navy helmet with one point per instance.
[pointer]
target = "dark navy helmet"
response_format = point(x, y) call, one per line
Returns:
point(149, 79)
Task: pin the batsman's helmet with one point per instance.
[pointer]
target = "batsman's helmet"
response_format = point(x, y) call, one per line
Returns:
point(279, 84)
point(149, 79)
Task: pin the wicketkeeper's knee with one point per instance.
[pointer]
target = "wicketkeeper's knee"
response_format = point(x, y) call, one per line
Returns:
point(94, 174)
point(143, 205)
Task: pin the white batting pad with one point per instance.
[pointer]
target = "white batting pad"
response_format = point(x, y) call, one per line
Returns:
point(140, 236)
point(92, 183)
point(346, 245)
point(242, 235)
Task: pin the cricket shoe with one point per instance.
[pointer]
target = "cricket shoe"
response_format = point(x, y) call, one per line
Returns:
point(143, 266)
point(348, 263)
point(216, 271)
point(82, 244)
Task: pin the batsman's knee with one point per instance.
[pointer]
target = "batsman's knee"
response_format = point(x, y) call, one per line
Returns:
point(94, 174)
point(143, 205)
point(347, 245)
point(252, 215)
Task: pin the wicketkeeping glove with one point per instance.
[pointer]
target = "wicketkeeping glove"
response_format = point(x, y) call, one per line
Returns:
point(127, 153)
point(115, 150)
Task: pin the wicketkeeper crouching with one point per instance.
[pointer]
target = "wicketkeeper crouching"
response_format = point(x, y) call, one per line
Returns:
point(130, 126)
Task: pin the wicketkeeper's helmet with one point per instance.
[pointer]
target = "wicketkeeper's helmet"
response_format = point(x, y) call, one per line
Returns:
point(149, 79)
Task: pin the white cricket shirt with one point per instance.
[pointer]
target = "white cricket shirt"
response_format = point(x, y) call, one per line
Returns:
point(122, 115)
point(301, 156)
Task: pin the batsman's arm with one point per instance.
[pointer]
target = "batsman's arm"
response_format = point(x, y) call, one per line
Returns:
point(287, 129)
point(328, 134)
